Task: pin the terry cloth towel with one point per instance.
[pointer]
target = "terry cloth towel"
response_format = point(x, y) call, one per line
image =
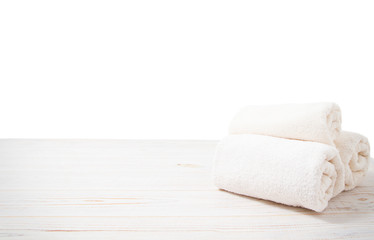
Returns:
point(354, 151)
point(317, 122)
point(286, 171)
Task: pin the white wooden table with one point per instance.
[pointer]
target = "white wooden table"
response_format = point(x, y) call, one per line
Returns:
point(122, 189)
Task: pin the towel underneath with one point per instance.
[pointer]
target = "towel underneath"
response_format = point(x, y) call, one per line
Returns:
point(354, 150)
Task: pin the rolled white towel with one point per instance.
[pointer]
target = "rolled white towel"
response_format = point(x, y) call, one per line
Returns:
point(354, 150)
point(317, 122)
point(286, 171)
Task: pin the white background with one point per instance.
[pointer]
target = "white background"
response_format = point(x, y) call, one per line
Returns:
point(177, 69)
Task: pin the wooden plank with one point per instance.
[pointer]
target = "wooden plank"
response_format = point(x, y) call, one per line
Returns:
point(142, 189)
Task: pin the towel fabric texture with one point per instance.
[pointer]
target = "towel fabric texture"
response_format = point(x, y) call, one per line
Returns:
point(317, 122)
point(286, 171)
point(354, 150)
point(295, 154)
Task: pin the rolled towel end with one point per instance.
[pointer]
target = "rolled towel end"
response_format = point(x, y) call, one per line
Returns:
point(354, 150)
point(328, 185)
point(334, 120)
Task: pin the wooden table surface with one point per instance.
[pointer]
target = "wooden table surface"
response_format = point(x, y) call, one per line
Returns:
point(151, 189)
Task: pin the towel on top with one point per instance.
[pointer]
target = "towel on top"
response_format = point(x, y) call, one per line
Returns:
point(317, 122)
point(291, 172)
point(354, 150)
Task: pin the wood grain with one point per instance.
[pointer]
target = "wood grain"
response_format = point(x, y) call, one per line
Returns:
point(144, 189)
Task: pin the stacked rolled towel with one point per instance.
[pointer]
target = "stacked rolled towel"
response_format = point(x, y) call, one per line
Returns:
point(287, 154)
point(317, 122)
